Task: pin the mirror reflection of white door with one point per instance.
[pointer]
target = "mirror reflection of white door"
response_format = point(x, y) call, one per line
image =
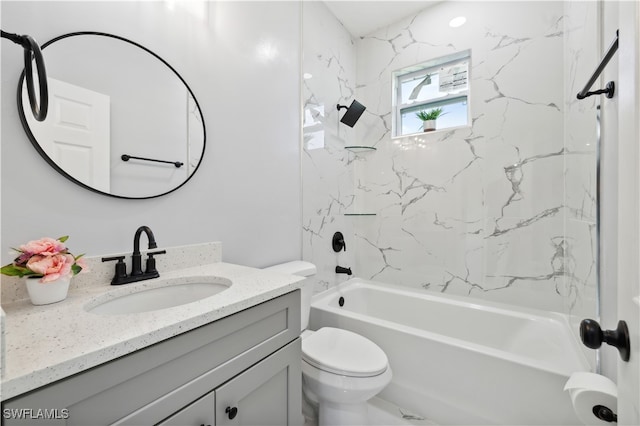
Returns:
point(76, 133)
point(628, 98)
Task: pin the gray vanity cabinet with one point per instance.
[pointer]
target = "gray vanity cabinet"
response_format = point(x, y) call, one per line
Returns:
point(261, 395)
point(248, 361)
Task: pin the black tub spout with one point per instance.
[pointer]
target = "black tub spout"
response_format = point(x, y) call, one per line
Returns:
point(341, 270)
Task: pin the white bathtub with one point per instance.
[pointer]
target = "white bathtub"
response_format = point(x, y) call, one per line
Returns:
point(460, 362)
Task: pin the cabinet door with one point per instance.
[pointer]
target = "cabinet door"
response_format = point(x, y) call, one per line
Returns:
point(269, 393)
point(200, 412)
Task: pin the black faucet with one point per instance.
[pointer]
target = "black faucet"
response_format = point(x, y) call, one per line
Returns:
point(136, 257)
point(341, 270)
point(121, 277)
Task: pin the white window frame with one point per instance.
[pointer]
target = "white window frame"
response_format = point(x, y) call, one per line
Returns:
point(424, 68)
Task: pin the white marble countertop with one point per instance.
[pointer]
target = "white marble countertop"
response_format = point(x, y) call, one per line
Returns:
point(47, 343)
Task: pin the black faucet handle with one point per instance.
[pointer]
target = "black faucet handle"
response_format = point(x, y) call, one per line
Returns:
point(337, 242)
point(109, 259)
point(151, 262)
point(121, 269)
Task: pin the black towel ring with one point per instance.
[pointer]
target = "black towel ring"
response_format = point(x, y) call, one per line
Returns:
point(32, 52)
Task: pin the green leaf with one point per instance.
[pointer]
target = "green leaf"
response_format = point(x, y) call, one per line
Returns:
point(16, 271)
point(63, 239)
point(433, 114)
point(75, 268)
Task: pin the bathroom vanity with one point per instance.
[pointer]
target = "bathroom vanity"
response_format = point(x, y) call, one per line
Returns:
point(243, 367)
point(233, 358)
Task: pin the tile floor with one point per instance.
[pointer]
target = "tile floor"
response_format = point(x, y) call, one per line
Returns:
point(384, 413)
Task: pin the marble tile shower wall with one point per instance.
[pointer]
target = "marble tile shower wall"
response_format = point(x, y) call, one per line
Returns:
point(329, 67)
point(500, 210)
point(477, 211)
point(581, 56)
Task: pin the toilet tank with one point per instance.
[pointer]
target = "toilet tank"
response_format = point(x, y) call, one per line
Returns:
point(302, 269)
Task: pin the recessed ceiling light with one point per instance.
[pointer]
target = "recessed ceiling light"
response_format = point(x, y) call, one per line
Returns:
point(307, 75)
point(457, 22)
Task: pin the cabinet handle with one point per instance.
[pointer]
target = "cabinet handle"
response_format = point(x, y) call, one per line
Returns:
point(231, 412)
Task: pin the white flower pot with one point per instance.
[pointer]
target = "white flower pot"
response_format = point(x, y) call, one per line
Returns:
point(46, 293)
point(429, 125)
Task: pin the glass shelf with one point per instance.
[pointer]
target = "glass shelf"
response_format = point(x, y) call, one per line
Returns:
point(359, 214)
point(360, 148)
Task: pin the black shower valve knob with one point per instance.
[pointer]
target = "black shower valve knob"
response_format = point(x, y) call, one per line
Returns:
point(338, 243)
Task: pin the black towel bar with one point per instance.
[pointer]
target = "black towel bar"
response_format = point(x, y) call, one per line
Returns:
point(610, 88)
point(126, 157)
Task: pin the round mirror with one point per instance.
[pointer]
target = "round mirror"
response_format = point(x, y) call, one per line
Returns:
point(121, 122)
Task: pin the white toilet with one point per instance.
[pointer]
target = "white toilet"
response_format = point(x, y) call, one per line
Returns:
point(341, 370)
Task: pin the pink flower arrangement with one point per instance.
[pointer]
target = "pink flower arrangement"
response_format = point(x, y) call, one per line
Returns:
point(46, 258)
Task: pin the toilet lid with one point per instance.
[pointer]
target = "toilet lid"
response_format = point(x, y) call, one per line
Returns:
point(343, 352)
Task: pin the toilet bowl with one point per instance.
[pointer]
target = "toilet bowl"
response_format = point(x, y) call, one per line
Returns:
point(341, 370)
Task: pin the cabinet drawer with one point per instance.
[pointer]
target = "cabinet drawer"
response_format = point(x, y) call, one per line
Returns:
point(201, 412)
point(203, 357)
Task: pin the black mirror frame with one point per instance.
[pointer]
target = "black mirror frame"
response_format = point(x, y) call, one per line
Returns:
point(38, 148)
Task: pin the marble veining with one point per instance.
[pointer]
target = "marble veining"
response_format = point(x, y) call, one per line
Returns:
point(327, 167)
point(503, 209)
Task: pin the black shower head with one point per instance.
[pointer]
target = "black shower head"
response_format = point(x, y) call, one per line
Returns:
point(354, 111)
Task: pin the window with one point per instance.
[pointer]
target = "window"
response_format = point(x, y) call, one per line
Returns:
point(439, 83)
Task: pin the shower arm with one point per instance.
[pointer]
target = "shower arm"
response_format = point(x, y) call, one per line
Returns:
point(32, 51)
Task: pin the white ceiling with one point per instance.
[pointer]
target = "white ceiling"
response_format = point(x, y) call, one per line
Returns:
point(363, 17)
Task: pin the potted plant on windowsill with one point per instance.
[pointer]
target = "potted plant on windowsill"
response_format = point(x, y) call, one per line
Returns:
point(429, 118)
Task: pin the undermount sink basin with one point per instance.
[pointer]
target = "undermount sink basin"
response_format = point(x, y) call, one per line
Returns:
point(166, 295)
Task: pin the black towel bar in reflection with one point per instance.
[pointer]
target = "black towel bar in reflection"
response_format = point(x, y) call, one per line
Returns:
point(610, 88)
point(126, 157)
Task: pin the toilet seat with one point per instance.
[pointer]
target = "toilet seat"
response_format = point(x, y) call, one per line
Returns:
point(343, 352)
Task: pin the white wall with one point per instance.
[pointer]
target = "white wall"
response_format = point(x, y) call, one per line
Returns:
point(242, 62)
